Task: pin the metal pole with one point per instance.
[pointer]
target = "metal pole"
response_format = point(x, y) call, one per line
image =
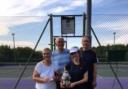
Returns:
point(64, 15)
point(13, 34)
point(88, 19)
point(51, 31)
point(95, 36)
point(83, 24)
point(114, 33)
point(54, 43)
point(13, 37)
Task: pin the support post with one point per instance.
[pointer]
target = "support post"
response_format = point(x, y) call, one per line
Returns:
point(51, 32)
point(88, 19)
point(84, 24)
point(13, 38)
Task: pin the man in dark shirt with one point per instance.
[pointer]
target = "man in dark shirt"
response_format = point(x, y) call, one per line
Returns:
point(89, 56)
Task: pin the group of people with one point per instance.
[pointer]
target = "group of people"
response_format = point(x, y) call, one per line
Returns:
point(80, 64)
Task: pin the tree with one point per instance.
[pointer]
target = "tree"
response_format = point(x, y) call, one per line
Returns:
point(6, 54)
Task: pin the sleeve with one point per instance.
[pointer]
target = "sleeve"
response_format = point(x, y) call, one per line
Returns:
point(85, 68)
point(94, 59)
point(37, 68)
point(68, 66)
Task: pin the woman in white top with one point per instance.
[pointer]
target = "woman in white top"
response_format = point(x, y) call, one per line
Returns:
point(43, 73)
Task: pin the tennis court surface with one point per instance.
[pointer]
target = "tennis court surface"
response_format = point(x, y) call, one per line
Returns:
point(102, 83)
point(9, 76)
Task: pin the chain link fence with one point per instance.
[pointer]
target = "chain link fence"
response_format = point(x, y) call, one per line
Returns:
point(111, 29)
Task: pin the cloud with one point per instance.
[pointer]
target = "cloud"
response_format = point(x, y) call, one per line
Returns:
point(23, 7)
point(17, 20)
point(35, 7)
point(58, 9)
point(17, 43)
point(16, 7)
point(17, 12)
point(119, 26)
point(114, 25)
point(4, 30)
point(10, 21)
point(77, 3)
point(24, 44)
point(120, 40)
point(66, 5)
point(97, 2)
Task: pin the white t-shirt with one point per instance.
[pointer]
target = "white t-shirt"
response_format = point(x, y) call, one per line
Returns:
point(45, 71)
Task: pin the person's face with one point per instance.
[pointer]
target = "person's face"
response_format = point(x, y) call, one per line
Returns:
point(85, 42)
point(46, 54)
point(75, 57)
point(60, 43)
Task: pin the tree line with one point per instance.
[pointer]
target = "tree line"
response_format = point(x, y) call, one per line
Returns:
point(19, 54)
point(114, 53)
point(107, 53)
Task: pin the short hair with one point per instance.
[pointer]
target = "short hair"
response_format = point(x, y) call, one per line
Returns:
point(48, 49)
point(88, 37)
point(59, 38)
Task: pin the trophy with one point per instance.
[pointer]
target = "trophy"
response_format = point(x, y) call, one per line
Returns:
point(65, 78)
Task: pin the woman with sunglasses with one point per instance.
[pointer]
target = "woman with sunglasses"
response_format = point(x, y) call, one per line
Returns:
point(77, 71)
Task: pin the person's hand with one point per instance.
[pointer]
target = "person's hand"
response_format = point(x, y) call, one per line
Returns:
point(57, 76)
point(72, 85)
point(46, 79)
point(51, 79)
point(61, 85)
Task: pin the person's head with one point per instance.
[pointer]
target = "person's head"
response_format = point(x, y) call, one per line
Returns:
point(85, 42)
point(75, 56)
point(59, 41)
point(46, 54)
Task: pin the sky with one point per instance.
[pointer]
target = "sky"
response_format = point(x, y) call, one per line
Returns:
point(27, 18)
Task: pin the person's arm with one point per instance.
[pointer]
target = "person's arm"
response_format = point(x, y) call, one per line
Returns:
point(83, 80)
point(36, 77)
point(94, 75)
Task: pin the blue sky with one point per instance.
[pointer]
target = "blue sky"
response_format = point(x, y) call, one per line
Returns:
point(26, 18)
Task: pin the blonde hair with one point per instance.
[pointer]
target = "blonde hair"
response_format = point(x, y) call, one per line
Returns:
point(47, 49)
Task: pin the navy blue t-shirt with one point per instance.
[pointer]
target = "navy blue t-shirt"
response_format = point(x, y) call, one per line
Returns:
point(89, 57)
point(77, 73)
